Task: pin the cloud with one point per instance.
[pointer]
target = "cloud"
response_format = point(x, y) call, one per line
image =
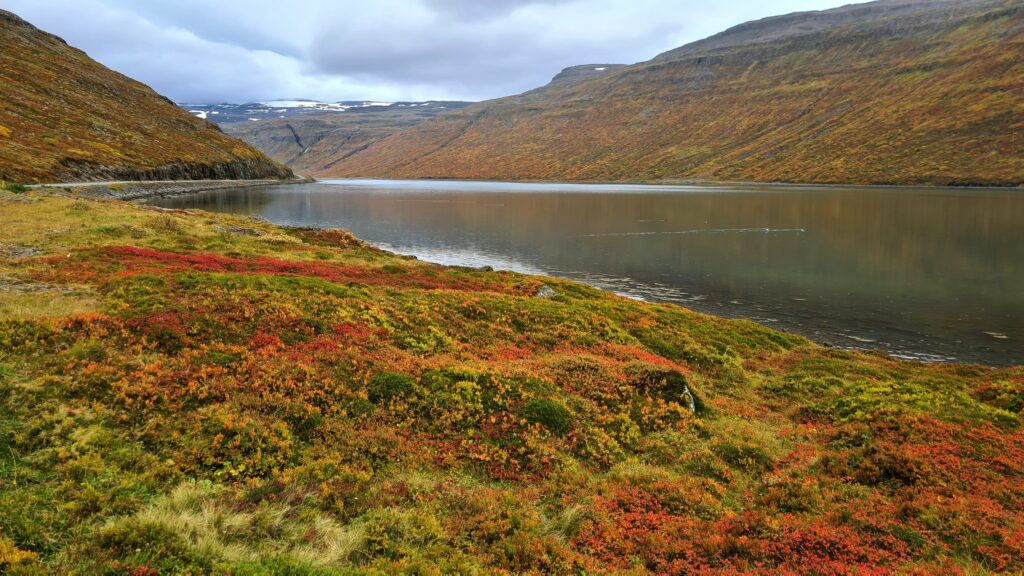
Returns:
point(235, 50)
point(474, 9)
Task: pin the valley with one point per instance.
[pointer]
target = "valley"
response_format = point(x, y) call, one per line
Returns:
point(312, 137)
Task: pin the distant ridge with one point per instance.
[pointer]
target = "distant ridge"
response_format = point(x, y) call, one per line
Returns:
point(313, 138)
point(64, 116)
point(891, 92)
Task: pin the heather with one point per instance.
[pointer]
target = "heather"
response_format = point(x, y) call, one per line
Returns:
point(188, 393)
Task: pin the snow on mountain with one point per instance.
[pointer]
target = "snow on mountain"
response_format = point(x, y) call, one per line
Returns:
point(272, 109)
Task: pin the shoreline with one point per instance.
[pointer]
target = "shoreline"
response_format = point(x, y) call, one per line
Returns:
point(147, 189)
point(671, 183)
point(893, 346)
point(131, 190)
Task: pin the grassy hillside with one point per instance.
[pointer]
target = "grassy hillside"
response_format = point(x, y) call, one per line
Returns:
point(891, 92)
point(65, 117)
point(188, 393)
point(313, 143)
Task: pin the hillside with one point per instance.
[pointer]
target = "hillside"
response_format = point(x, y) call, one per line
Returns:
point(890, 92)
point(313, 142)
point(65, 117)
point(192, 393)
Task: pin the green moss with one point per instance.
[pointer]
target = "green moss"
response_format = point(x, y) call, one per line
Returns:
point(385, 387)
point(550, 414)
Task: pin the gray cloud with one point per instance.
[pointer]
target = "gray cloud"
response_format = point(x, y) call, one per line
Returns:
point(219, 22)
point(245, 50)
point(475, 9)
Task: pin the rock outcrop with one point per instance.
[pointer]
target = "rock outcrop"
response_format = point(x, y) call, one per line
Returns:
point(575, 74)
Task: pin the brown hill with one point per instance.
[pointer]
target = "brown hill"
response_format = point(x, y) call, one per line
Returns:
point(64, 116)
point(891, 92)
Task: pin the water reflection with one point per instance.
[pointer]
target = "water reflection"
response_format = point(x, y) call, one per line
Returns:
point(918, 272)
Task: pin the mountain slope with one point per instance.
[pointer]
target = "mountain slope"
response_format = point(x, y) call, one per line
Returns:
point(313, 142)
point(63, 116)
point(893, 92)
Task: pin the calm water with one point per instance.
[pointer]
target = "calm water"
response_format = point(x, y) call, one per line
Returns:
point(936, 274)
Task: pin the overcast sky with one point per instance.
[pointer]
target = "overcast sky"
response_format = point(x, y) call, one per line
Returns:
point(249, 50)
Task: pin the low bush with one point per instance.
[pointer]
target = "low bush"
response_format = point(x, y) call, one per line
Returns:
point(385, 387)
point(14, 187)
point(550, 414)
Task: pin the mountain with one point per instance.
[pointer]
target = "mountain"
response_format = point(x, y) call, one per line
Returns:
point(225, 113)
point(890, 92)
point(64, 117)
point(312, 136)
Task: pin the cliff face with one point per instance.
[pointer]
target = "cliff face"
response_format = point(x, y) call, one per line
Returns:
point(64, 116)
point(892, 92)
point(574, 74)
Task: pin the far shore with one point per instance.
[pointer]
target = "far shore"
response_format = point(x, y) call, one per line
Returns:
point(145, 189)
point(671, 183)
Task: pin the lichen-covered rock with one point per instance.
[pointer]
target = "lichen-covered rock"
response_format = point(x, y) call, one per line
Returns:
point(545, 291)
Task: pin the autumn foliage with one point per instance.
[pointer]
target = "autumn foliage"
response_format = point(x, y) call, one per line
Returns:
point(301, 403)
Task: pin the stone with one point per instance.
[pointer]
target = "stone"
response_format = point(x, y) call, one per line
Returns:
point(545, 291)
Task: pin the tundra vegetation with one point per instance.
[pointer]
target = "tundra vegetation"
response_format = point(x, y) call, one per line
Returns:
point(189, 393)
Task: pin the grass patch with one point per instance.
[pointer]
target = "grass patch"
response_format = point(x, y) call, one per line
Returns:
point(39, 305)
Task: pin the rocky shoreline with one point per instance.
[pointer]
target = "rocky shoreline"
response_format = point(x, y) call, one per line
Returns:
point(143, 190)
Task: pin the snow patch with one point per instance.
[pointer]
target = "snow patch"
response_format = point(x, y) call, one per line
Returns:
point(291, 104)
